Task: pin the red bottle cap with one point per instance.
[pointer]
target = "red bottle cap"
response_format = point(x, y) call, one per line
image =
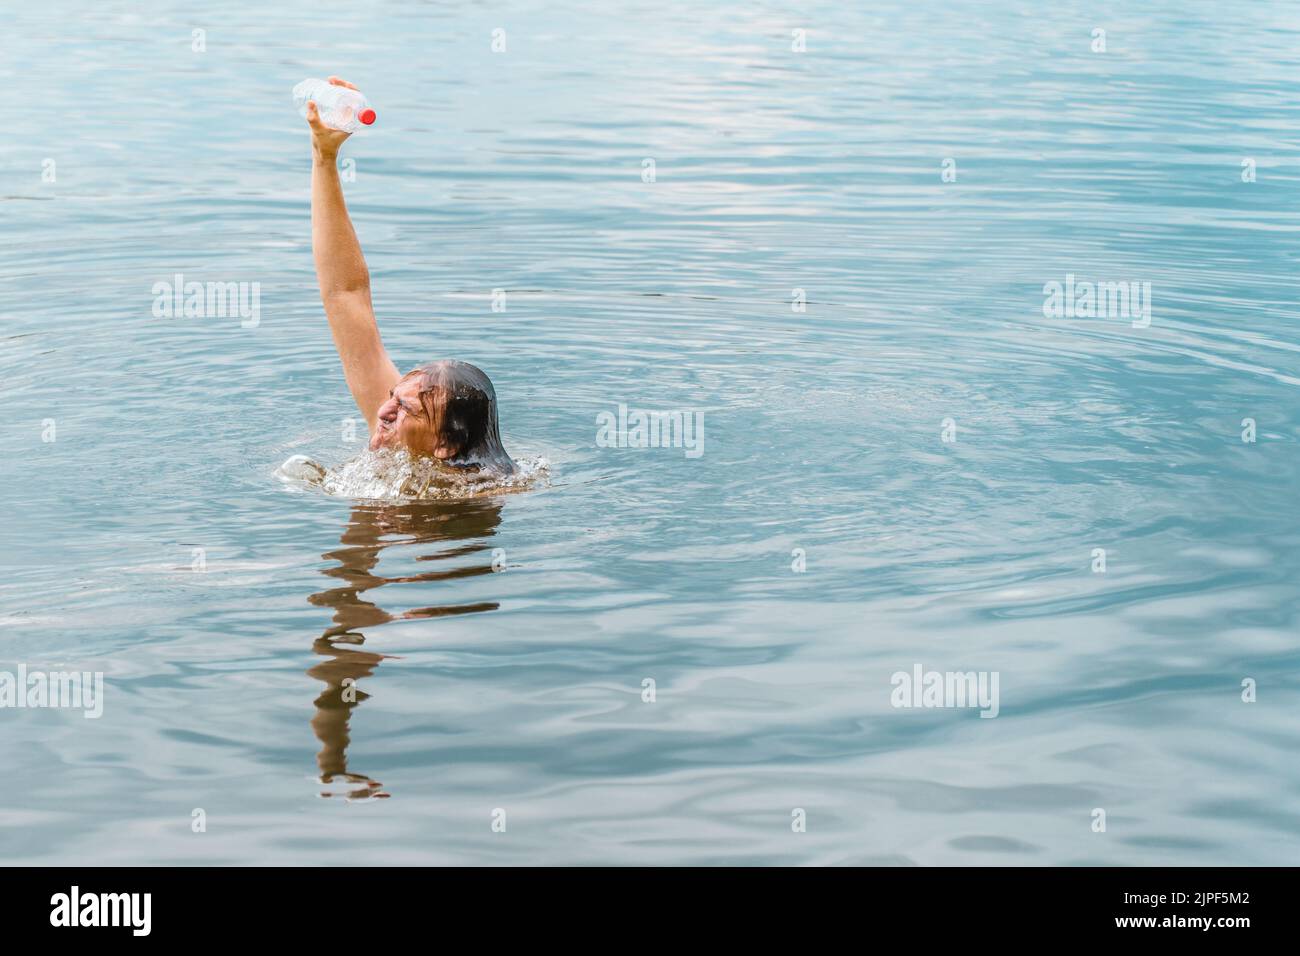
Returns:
point(367, 116)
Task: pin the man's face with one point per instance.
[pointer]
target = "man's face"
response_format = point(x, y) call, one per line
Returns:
point(402, 420)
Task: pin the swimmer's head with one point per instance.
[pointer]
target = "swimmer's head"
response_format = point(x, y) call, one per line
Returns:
point(447, 410)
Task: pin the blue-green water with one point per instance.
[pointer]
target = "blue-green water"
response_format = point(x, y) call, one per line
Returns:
point(146, 535)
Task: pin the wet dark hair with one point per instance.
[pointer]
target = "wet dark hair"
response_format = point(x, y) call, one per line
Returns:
point(462, 408)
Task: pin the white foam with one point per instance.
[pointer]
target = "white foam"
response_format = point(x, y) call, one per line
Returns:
point(390, 475)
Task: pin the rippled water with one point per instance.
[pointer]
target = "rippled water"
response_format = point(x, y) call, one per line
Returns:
point(498, 647)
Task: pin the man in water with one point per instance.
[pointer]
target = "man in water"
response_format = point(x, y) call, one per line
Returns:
point(445, 410)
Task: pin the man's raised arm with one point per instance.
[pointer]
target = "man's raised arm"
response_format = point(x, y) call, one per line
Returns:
point(343, 276)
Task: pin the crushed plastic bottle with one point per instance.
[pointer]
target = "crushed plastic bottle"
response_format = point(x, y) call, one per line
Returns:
point(340, 107)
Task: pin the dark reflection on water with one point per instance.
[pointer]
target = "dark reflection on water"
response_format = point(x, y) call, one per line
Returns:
point(436, 529)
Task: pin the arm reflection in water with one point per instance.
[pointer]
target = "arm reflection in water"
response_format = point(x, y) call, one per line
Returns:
point(450, 533)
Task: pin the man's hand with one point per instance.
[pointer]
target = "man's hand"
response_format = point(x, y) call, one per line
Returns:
point(325, 142)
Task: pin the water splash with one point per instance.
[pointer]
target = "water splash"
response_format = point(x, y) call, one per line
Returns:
point(388, 475)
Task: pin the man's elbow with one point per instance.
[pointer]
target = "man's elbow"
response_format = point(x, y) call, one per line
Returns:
point(346, 293)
